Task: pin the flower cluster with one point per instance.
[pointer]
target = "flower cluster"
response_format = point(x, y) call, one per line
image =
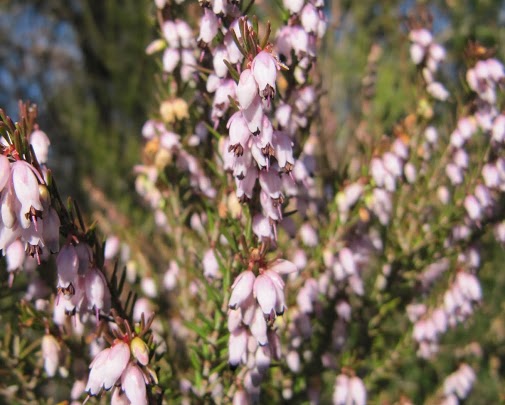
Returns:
point(163, 149)
point(123, 366)
point(299, 36)
point(254, 303)
point(349, 389)
point(458, 303)
point(29, 224)
point(82, 286)
point(428, 55)
point(458, 385)
point(180, 48)
point(253, 141)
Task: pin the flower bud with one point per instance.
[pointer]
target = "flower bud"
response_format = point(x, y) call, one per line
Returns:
point(40, 143)
point(140, 350)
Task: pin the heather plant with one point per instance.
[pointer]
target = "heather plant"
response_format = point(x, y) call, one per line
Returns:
point(269, 275)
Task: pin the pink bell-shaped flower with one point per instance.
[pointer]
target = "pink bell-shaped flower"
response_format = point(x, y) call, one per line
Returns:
point(185, 33)
point(15, 255)
point(40, 143)
point(5, 171)
point(262, 227)
point(239, 133)
point(283, 267)
point(220, 55)
point(310, 18)
point(271, 183)
point(51, 354)
point(209, 25)
point(264, 139)
point(237, 345)
point(270, 208)
point(265, 293)
point(264, 68)
point(341, 392)
point(258, 327)
point(247, 88)
point(246, 185)
point(254, 116)
point(210, 264)
point(294, 6)
point(67, 264)
point(242, 288)
point(278, 282)
point(133, 384)
point(117, 361)
point(26, 190)
point(283, 150)
point(170, 60)
point(169, 31)
point(97, 292)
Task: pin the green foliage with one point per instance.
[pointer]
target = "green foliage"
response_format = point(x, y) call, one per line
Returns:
point(371, 90)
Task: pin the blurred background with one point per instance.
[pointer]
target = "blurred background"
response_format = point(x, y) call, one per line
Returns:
point(84, 64)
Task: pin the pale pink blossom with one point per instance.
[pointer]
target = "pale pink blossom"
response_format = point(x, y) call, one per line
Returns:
point(310, 18)
point(210, 264)
point(67, 264)
point(473, 207)
point(133, 384)
point(309, 235)
point(15, 255)
point(258, 327)
point(265, 292)
point(341, 391)
point(220, 55)
point(112, 245)
point(107, 367)
point(97, 291)
point(254, 116)
point(40, 143)
point(185, 33)
point(357, 391)
point(237, 345)
point(242, 288)
point(26, 189)
point(51, 354)
point(438, 91)
point(247, 88)
point(264, 69)
point(294, 6)
point(5, 169)
point(209, 25)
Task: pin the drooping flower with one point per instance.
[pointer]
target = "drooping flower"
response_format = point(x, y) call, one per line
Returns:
point(107, 367)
